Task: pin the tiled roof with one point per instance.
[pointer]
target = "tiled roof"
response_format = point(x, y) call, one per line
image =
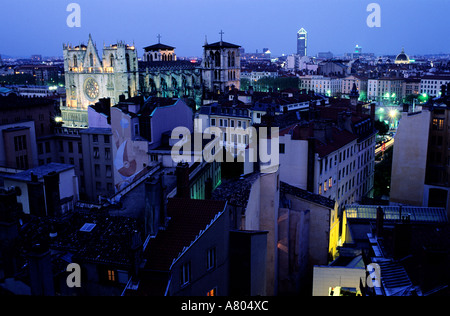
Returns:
point(221, 44)
point(158, 47)
point(39, 171)
point(236, 191)
point(306, 195)
point(187, 218)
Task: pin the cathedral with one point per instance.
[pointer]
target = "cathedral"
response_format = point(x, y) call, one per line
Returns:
point(119, 72)
point(89, 78)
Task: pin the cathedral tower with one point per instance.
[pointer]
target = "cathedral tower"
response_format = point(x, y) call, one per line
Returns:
point(89, 78)
point(221, 66)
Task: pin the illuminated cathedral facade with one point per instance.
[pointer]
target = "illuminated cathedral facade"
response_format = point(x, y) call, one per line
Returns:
point(89, 78)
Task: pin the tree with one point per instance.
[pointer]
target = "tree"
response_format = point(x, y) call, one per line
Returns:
point(381, 127)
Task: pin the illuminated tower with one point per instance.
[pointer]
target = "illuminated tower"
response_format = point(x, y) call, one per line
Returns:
point(221, 66)
point(302, 38)
point(89, 77)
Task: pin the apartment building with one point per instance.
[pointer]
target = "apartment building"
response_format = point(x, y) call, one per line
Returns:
point(385, 90)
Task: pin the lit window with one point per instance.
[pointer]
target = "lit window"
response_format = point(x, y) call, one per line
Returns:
point(330, 182)
point(212, 292)
point(111, 275)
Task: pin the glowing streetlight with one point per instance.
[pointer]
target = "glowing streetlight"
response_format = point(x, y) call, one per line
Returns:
point(392, 113)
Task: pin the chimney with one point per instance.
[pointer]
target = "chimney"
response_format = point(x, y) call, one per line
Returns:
point(182, 172)
point(52, 196)
point(152, 206)
point(41, 274)
point(372, 111)
point(136, 252)
point(311, 161)
point(379, 222)
point(208, 188)
point(402, 238)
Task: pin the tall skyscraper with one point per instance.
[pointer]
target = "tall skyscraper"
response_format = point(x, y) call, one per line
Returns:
point(302, 38)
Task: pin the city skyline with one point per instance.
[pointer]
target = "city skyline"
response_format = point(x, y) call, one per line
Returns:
point(331, 26)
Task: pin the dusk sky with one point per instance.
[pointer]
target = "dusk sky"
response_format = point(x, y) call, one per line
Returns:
point(39, 27)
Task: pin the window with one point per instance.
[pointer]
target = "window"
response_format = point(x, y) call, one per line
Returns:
point(212, 292)
point(61, 146)
point(70, 147)
point(111, 275)
point(213, 122)
point(438, 124)
point(97, 170)
point(108, 153)
point(108, 171)
point(186, 273)
point(106, 139)
point(211, 258)
point(330, 182)
point(95, 138)
point(96, 153)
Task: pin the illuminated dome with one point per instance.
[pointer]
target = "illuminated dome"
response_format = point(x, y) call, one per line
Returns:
point(402, 58)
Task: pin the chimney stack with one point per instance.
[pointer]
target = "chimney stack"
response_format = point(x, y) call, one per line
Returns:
point(380, 222)
point(182, 173)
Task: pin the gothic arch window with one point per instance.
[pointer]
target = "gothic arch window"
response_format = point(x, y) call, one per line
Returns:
point(163, 88)
point(91, 60)
point(175, 87)
point(156, 56)
point(229, 59)
point(152, 86)
point(75, 61)
point(111, 60)
point(233, 58)
point(217, 59)
point(127, 57)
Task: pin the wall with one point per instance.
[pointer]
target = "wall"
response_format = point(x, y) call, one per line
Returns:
point(409, 159)
point(294, 162)
point(167, 118)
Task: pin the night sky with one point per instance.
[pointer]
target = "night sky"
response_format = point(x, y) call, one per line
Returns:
point(39, 27)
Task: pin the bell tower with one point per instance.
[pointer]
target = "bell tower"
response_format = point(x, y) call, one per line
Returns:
point(221, 66)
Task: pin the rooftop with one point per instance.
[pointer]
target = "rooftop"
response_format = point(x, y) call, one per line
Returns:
point(221, 44)
point(12, 101)
point(416, 214)
point(40, 171)
point(236, 191)
point(306, 195)
point(187, 218)
point(158, 46)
